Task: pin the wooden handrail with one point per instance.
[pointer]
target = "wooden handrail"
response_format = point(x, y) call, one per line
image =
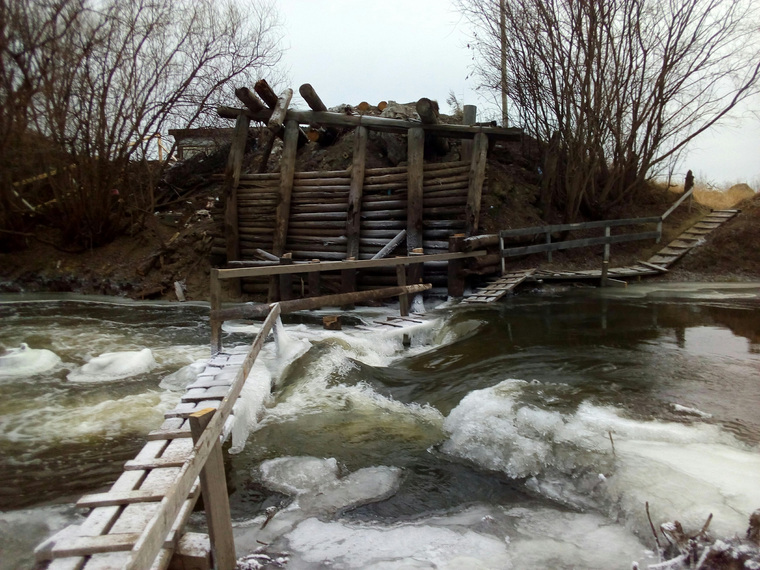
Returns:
point(341, 265)
point(153, 536)
point(677, 203)
point(579, 226)
point(556, 246)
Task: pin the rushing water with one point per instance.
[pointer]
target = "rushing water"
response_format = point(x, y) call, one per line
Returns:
point(529, 434)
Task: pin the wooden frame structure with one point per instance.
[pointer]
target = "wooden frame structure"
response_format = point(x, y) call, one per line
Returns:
point(354, 213)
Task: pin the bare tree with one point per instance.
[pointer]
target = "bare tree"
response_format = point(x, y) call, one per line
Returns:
point(122, 72)
point(625, 84)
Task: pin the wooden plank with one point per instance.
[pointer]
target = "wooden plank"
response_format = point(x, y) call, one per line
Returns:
point(215, 498)
point(229, 189)
point(88, 545)
point(340, 265)
point(159, 463)
point(390, 246)
point(209, 393)
point(118, 498)
point(475, 188)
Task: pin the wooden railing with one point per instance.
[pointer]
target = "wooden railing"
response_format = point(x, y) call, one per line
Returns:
point(249, 310)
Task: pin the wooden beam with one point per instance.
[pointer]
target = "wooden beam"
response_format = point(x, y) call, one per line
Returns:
point(477, 177)
point(215, 298)
point(341, 265)
point(229, 189)
point(312, 99)
point(266, 93)
point(353, 214)
point(381, 124)
point(249, 311)
point(414, 209)
point(249, 99)
point(388, 248)
point(277, 118)
point(216, 502)
point(469, 116)
point(456, 280)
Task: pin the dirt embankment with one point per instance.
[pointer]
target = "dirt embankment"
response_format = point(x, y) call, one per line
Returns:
point(174, 245)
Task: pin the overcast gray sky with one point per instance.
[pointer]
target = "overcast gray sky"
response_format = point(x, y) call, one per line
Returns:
point(401, 50)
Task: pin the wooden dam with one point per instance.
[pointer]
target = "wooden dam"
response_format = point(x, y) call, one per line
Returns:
point(337, 231)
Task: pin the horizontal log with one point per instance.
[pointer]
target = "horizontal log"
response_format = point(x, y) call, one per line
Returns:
point(477, 242)
point(579, 226)
point(381, 124)
point(339, 266)
point(311, 182)
point(328, 188)
point(309, 303)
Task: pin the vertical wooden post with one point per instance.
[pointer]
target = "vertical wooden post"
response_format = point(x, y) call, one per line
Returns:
point(314, 281)
point(229, 191)
point(353, 215)
point(215, 499)
point(502, 259)
point(477, 177)
point(548, 241)
point(215, 298)
point(282, 217)
point(469, 117)
point(606, 260)
point(286, 279)
point(403, 301)
point(456, 267)
point(415, 174)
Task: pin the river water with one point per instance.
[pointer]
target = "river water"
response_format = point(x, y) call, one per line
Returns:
point(528, 434)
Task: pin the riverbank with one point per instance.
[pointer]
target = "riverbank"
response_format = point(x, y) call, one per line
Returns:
point(174, 251)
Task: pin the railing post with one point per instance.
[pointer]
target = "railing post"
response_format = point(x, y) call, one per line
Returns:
point(659, 231)
point(548, 241)
point(215, 298)
point(501, 254)
point(215, 499)
point(606, 261)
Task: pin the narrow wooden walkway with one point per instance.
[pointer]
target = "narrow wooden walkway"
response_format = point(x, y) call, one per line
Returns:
point(680, 246)
point(655, 265)
point(496, 289)
point(127, 524)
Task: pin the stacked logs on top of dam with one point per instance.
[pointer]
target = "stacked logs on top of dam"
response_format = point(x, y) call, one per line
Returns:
point(319, 204)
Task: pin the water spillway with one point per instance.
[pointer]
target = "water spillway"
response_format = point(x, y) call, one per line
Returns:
point(488, 441)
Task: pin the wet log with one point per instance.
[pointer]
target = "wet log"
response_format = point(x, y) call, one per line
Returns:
point(280, 109)
point(391, 245)
point(229, 190)
point(428, 112)
point(354, 210)
point(327, 135)
point(481, 241)
point(309, 303)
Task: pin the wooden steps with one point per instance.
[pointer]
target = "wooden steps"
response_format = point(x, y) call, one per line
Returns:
point(496, 289)
point(680, 246)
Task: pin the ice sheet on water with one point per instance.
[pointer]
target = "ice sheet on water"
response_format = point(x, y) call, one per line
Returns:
point(480, 536)
point(319, 489)
point(686, 471)
point(26, 361)
point(183, 377)
point(114, 366)
point(22, 530)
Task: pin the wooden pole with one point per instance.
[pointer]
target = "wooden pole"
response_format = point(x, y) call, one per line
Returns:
point(456, 267)
point(280, 109)
point(414, 210)
point(477, 177)
point(606, 259)
point(215, 499)
point(249, 99)
point(390, 246)
point(215, 298)
point(314, 281)
point(231, 180)
point(468, 118)
point(309, 303)
point(353, 215)
point(286, 279)
point(282, 217)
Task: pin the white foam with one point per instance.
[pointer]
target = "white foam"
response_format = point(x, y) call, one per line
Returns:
point(25, 361)
point(114, 366)
point(686, 471)
point(64, 420)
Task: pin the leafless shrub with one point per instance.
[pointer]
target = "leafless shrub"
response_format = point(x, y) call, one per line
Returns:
point(626, 84)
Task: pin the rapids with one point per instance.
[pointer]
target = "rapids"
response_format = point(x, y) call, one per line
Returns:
point(529, 434)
